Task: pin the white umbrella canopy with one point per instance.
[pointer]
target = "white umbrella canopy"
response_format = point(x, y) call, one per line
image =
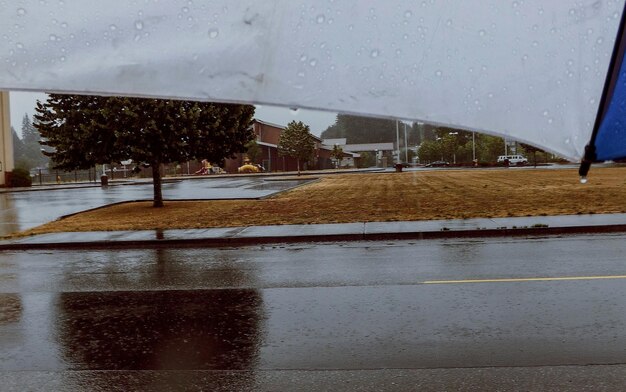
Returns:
point(530, 70)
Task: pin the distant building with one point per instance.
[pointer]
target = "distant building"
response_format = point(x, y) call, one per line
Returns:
point(355, 149)
point(267, 137)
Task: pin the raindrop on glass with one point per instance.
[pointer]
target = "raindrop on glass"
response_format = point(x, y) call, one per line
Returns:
point(21, 11)
point(408, 14)
point(482, 33)
point(438, 73)
point(19, 45)
point(112, 27)
point(139, 24)
point(214, 33)
point(374, 53)
point(313, 62)
point(320, 19)
point(449, 22)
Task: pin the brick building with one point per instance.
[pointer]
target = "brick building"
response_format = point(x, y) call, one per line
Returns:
point(267, 136)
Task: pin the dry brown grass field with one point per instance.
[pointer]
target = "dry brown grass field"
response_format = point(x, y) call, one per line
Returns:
point(425, 195)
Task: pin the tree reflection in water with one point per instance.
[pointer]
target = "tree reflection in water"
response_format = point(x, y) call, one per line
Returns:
point(197, 329)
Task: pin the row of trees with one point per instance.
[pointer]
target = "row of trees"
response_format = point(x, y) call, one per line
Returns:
point(458, 146)
point(82, 131)
point(359, 129)
point(435, 142)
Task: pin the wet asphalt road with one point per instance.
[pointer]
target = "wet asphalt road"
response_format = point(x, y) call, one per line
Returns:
point(24, 210)
point(352, 316)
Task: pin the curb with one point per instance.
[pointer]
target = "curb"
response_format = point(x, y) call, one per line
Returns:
point(344, 237)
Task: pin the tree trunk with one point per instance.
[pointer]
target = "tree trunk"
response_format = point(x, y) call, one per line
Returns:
point(156, 182)
point(297, 160)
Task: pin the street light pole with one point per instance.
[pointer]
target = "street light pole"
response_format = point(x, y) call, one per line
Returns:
point(473, 146)
point(454, 152)
point(406, 146)
point(397, 143)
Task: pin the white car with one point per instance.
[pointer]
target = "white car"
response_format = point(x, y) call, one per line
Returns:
point(517, 160)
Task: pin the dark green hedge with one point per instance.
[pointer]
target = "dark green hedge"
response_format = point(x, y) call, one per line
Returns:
point(20, 178)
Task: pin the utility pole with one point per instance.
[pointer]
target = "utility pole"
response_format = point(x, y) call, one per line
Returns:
point(406, 146)
point(474, 147)
point(397, 143)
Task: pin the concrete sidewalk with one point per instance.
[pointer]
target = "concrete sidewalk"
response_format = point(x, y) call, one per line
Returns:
point(359, 231)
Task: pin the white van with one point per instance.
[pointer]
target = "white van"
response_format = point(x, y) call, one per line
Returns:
point(518, 160)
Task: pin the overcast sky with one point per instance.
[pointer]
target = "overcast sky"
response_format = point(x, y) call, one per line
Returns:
point(22, 103)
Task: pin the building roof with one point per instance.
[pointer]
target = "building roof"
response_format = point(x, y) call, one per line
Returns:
point(282, 127)
point(269, 123)
point(332, 142)
point(369, 147)
point(330, 148)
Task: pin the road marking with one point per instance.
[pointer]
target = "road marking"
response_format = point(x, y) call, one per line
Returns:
point(505, 280)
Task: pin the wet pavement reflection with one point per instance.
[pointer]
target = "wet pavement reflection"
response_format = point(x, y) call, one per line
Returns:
point(333, 306)
point(205, 329)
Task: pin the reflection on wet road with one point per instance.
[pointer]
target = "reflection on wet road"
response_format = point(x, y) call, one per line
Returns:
point(325, 306)
point(206, 329)
point(23, 210)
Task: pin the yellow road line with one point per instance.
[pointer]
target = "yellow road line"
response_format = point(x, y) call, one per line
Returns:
point(524, 279)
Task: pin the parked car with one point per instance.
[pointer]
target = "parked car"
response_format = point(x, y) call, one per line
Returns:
point(517, 160)
point(438, 164)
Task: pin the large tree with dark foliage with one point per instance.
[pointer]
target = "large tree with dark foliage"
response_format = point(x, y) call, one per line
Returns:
point(88, 130)
point(296, 142)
